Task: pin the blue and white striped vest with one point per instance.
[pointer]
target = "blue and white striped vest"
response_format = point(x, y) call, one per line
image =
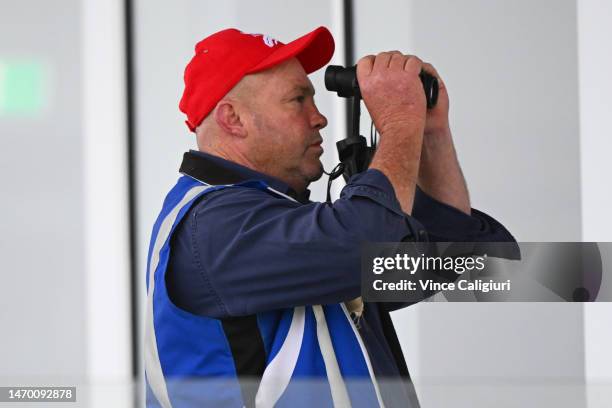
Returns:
point(315, 355)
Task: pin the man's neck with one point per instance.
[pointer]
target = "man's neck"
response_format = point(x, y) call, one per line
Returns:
point(230, 155)
point(237, 157)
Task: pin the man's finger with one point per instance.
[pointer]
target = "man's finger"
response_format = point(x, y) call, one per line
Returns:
point(413, 64)
point(365, 65)
point(382, 60)
point(397, 61)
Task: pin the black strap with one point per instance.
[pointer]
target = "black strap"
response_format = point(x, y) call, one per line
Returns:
point(334, 174)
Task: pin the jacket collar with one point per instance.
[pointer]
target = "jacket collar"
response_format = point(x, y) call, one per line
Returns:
point(214, 170)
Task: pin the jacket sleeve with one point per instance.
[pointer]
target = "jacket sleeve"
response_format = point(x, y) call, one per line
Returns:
point(445, 223)
point(241, 250)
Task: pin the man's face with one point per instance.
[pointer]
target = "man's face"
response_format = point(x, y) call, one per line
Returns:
point(283, 125)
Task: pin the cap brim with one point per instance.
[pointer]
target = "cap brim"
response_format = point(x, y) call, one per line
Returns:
point(313, 50)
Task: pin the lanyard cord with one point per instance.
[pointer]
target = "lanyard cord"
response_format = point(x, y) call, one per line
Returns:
point(334, 174)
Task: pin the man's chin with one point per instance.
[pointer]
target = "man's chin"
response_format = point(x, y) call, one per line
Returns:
point(316, 174)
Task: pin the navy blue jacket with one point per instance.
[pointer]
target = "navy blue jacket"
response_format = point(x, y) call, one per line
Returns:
point(311, 251)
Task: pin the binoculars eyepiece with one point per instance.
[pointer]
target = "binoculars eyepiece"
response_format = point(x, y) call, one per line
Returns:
point(343, 81)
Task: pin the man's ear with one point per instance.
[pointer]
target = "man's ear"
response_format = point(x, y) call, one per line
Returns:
point(228, 118)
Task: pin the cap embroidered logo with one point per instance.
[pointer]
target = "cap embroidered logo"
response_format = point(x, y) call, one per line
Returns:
point(269, 41)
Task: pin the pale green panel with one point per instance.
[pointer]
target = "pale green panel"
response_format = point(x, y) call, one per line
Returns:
point(22, 88)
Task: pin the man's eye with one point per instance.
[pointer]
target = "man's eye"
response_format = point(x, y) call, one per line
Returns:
point(300, 98)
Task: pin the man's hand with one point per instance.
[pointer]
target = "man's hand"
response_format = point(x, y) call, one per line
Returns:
point(437, 117)
point(392, 91)
point(440, 175)
point(394, 96)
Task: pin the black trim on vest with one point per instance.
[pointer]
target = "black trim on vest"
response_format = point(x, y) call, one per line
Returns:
point(248, 351)
point(208, 171)
point(393, 342)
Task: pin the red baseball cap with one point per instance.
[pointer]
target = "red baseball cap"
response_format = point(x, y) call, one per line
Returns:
point(222, 59)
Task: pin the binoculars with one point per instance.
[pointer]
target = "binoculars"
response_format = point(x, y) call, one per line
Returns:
point(354, 153)
point(343, 81)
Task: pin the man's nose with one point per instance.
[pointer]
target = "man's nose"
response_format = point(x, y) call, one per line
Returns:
point(319, 121)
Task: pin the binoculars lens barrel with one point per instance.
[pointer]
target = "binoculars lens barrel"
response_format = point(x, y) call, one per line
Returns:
point(342, 80)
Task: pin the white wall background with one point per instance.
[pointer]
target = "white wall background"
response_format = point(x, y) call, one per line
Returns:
point(107, 251)
point(529, 84)
point(42, 332)
point(595, 88)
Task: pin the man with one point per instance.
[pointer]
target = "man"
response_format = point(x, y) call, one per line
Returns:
point(253, 290)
